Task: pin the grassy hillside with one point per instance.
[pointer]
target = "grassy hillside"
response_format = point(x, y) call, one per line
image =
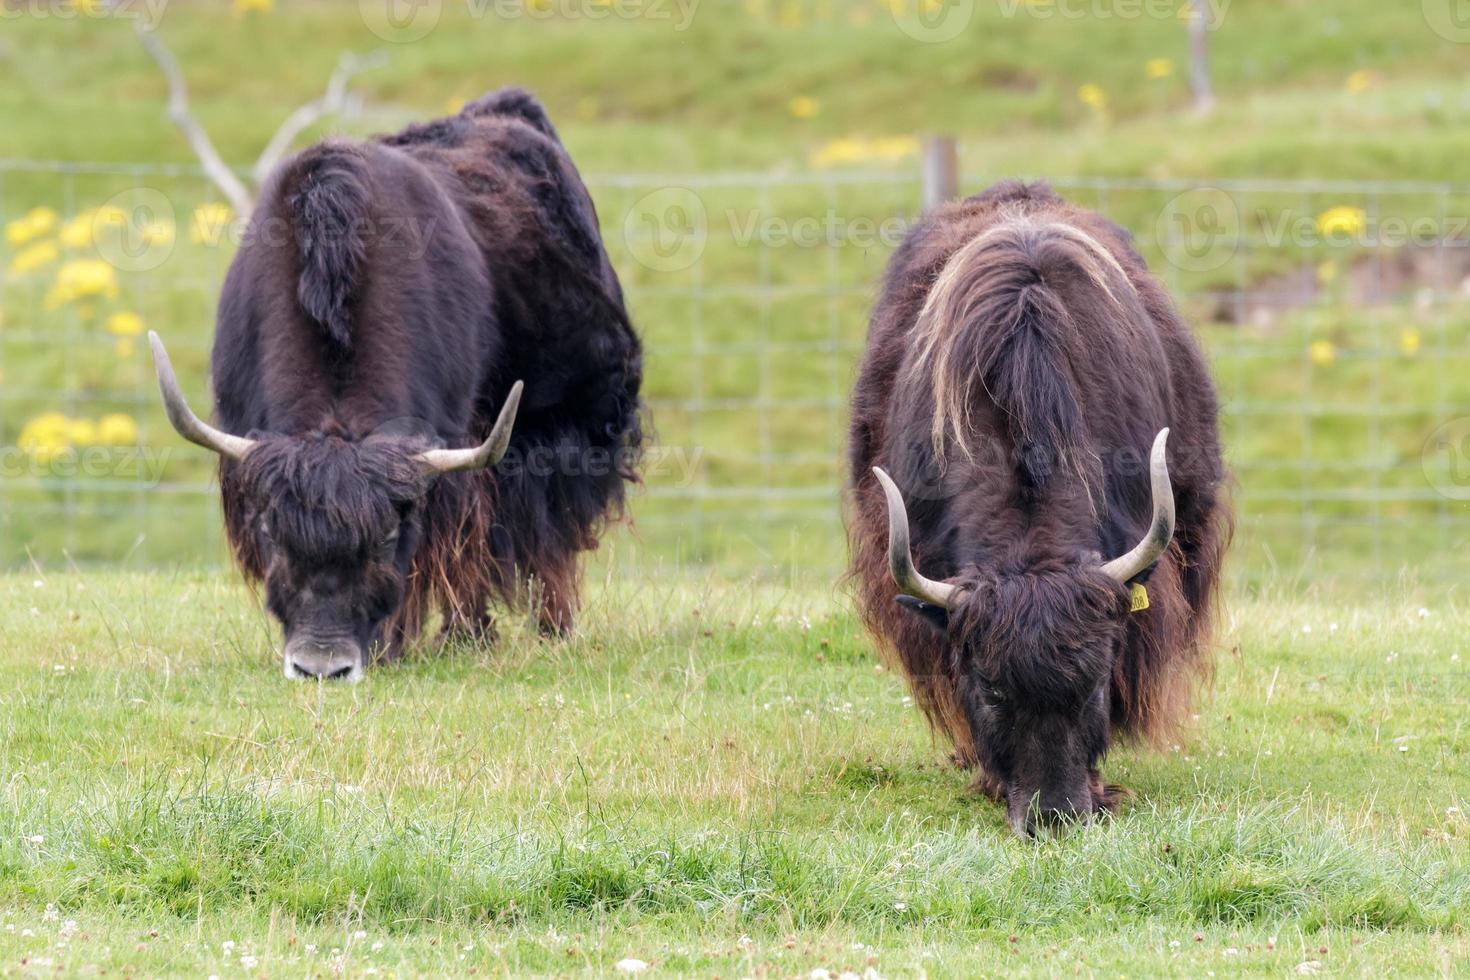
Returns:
point(714, 779)
point(1333, 399)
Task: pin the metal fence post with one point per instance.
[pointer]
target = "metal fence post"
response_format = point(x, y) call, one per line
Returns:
point(941, 171)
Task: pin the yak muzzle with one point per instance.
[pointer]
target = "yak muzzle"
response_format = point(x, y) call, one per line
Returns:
point(1048, 813)
point(307, 659)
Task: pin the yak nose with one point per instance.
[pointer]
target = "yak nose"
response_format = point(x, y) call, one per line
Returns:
point(317, 660)
point(1051, 814)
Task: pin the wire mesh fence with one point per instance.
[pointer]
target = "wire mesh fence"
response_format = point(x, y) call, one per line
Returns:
point(1335, 315)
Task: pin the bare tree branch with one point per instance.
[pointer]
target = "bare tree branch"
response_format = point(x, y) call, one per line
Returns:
point(178, 110)
point(313, 112)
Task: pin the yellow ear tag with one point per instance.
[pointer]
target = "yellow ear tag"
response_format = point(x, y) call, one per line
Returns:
point(1137, 598)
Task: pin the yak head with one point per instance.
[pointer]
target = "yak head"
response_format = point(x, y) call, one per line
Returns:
point(1034, 649)
point(336, 522)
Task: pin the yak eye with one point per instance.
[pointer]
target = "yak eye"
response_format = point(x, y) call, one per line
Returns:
point(389, 541)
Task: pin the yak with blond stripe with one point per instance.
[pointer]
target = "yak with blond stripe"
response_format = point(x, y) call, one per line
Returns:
point(1034, 446)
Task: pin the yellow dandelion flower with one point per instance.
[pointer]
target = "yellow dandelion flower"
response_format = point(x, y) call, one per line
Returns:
point(1410, 341)
point(77, 233)
point(243, 7)
point(1157, 68)
point(125, 324)
point(1361, 81)
point(208, 225)
point(1322, 352)
point(117, 429)
point(33, 258)
point(804, 107)
point(1327, 272)
point(891, 148)
point(1093, 96)
point(81, 432)
point(82, 279)
point(839, 152)
point(35, 223)
point(1342, 222)
point(45, 437)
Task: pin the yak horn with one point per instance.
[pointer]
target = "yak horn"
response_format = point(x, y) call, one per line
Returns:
point(487, 453)
point(1156, 540)
point(900, 559)
point(183, 418)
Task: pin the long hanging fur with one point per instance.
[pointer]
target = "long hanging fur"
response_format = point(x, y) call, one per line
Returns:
point(1018, 343)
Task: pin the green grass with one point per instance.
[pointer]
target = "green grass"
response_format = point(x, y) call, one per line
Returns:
point(715, 778)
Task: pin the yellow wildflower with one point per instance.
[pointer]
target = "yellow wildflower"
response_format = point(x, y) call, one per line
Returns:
point(1157, 68)
point(208, 225)
point(804, 107)
point(1322, 352)
point(1409, 341)
point(117, 429)
point(81, 432)
point(1093, 96)
point(458, 102)
point(1342, 222)
point(125, 324)
point(82, 279)
point(77, 233)
point(836, 153)
point(1327, 272)
point(34, 257)
point(243, 7)
point(45, 437)
point(34, 224)
point(1361, 81)
point(895, 147)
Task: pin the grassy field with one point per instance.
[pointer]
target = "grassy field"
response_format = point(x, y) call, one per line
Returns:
point(752, 336)
point(715, 779)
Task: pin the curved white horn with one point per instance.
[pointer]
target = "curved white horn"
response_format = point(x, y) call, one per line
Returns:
point(1147, 551)
point(487, 453)
point(900, 558)
point(189, 425)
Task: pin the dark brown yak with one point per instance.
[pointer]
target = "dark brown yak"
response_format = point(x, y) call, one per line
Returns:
point(1020, 363)
point(387, 301)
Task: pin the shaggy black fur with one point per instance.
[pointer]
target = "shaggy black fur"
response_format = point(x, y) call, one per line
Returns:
point(1019, 363)
point(387, 296)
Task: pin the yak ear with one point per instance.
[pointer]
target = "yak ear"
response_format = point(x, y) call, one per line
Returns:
point(936, 616)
